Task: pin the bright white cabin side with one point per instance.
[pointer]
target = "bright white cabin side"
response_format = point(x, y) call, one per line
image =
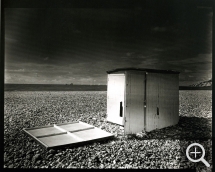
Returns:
point(116, 98)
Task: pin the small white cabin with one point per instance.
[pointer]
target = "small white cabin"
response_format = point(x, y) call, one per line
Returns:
point(142, 99)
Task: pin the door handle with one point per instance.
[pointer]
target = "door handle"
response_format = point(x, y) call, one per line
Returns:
point(157, 110)
point(120, 111)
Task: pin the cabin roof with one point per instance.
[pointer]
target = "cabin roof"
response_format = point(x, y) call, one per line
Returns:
point(142, 69)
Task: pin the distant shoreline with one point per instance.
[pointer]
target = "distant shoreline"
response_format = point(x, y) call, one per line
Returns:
point(61, 87)
point(195, 88)
point(53, 87)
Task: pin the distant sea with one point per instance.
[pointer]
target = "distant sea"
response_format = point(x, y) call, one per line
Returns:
point(61, 87)
point(53, 87)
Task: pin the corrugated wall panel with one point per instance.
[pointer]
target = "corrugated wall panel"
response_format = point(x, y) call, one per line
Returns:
point(115, 98)
point(162, 100)
point(168, 100)
point(135, 102)
point(152, 86)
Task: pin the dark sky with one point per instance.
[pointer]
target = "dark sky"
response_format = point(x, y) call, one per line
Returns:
point(78, 45)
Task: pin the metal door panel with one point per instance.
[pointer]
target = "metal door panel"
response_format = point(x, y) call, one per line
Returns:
point(115, 98)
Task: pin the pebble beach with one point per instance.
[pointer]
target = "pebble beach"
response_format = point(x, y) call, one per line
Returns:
point(158, 149)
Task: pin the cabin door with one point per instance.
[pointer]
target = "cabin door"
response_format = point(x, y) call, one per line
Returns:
point(115, 98)
point(152, 101)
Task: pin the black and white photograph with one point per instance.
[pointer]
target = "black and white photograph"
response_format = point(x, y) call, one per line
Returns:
point(108, 84)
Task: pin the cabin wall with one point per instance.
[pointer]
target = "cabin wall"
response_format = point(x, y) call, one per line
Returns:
point(126, 93)
point(134, 113)
point(162, 100)
point(152, 101)
point(168, 100)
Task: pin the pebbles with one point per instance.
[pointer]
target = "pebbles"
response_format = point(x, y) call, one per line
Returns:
point(163, 148)
point(36, 158)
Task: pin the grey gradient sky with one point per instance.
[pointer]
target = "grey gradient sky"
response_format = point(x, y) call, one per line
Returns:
point(78, 45)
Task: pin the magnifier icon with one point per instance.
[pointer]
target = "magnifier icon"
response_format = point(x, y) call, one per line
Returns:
point(195, 152)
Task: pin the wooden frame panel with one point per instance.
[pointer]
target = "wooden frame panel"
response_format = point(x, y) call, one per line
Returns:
point(72, 133)
point(44, 131)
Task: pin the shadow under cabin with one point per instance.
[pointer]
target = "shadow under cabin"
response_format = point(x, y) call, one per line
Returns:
point(142, 99)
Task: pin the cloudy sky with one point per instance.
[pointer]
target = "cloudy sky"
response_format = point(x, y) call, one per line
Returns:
point(78, 45)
